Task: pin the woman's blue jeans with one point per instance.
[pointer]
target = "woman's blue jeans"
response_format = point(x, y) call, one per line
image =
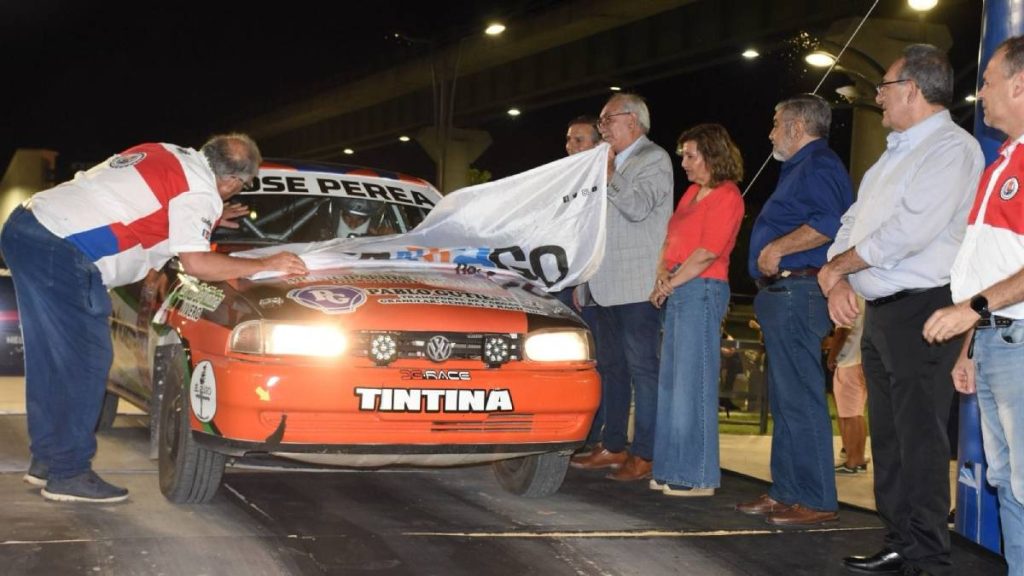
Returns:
point(686, 437)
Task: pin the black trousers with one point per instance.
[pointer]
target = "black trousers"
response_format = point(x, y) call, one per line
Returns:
point(909, 394)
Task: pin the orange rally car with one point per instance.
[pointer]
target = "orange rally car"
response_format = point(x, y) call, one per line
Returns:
point(380, 364)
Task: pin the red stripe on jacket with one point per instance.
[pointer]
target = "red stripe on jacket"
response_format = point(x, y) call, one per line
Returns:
point(163, 173)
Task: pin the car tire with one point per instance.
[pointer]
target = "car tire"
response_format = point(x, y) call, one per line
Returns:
point(534, 476)
point(108, 412)
point(189, 473)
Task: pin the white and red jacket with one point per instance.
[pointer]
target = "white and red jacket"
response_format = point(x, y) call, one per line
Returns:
point(993, 246)
point(135, 210)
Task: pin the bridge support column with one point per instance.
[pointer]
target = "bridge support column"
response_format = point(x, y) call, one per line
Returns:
point(453, 153)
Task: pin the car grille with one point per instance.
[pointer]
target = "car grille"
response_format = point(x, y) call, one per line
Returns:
point(492, 423)
point(414, 345)
point(306, 422)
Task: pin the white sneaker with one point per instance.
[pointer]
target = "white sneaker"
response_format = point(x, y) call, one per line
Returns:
point(680, 490)
point(655, 485)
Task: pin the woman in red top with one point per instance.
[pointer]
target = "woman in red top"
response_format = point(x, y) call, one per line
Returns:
point(693, 287)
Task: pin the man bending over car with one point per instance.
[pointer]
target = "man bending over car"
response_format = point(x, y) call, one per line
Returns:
point(108, 227)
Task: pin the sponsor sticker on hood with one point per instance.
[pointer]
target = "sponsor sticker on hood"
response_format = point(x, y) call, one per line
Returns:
point(329, 299)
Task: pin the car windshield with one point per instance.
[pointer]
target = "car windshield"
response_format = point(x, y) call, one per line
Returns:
point(284, 218)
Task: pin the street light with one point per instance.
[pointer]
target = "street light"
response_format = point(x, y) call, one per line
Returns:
point(820, 59)
point(922, 5)
point(444, 61)
point(750, 54)
point(445, 71)
point(853, 60)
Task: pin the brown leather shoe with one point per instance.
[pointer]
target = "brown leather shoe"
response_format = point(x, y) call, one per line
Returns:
point(635, 468)
point(599, 459)
point(797, 515)
point(764, 504)
point(587, 450)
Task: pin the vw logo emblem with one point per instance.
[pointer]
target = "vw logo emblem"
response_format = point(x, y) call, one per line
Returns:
point(439, 348)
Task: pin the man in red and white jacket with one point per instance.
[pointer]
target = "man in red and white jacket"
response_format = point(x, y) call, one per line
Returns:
point(106, 228)
point(988, 287)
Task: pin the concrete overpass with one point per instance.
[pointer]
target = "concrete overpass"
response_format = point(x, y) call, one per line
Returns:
point(573, 49)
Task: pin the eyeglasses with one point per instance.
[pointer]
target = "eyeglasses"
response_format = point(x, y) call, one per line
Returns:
point(241, 180)
point(607, 118)
point(879, 86)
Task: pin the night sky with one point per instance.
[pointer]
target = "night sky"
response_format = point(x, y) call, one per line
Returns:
point(91, 78)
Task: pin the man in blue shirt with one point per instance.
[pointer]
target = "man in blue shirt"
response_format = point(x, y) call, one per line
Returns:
point(788, 245)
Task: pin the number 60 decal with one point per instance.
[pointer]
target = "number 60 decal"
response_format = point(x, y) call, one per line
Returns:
point(545, 263)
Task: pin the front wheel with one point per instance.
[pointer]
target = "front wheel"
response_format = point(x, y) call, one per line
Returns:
point(189, 473)
point(532, 476)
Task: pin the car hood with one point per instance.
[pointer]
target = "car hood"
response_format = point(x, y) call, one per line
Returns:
point(401, 297)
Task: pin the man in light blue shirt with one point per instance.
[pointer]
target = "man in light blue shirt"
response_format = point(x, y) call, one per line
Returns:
point(895, 248)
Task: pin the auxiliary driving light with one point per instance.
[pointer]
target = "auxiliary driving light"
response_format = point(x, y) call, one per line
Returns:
point(496, 351)
point(383, 349)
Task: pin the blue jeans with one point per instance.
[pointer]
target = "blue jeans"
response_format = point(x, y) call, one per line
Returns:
point(794, 318)
point(64, 310)
point(999, 362)
point(686, 440)
point(627, 348)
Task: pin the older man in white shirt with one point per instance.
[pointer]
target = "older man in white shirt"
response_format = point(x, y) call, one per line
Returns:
point(895, 248)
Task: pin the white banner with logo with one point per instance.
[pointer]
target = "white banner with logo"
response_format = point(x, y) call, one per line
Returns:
point(547, 224)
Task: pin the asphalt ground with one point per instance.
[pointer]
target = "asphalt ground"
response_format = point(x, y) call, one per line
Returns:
point(407, 521)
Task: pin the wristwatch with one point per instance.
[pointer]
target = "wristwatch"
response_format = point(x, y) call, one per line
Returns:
point(980, 305)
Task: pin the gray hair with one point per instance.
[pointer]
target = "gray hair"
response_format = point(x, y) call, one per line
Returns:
point(930, 69)
point(636, 104)
point(233, 155)
point(812, 109)
point(1013, 55)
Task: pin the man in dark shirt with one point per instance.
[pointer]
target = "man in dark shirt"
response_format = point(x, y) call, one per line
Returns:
point(788, 245)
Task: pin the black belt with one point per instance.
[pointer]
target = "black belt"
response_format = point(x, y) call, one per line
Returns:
point(766, 281)
point(994, 322)
point(894, 297)
point(990, 322)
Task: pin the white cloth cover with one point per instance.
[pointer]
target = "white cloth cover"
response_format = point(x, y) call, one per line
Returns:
point(547, 224)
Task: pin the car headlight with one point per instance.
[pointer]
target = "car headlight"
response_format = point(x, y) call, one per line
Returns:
point(269, 338)
point(558, 346)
